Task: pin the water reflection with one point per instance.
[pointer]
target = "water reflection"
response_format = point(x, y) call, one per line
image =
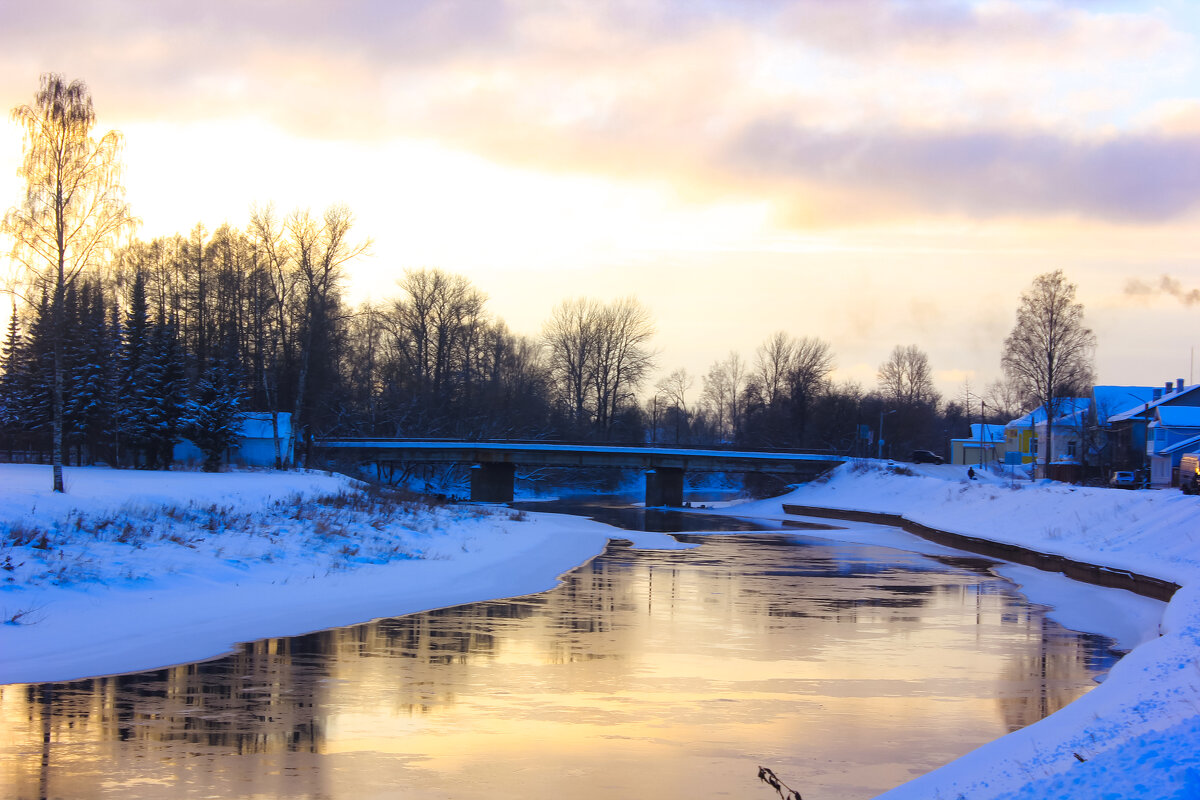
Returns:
point(625, 512)
point(847, 669)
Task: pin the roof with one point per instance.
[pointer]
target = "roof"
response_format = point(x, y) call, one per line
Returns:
point(1112, 400)
point(257, 425)
point(1142, 408)
point(1184, 446)
point(1178, 416)
point(1068, 407)
point(990, 433)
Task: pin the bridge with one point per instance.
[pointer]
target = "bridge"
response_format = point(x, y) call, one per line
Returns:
point(493, 464)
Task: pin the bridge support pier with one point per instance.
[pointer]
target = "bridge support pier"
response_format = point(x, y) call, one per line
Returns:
point(664, 487)
point(493, 482)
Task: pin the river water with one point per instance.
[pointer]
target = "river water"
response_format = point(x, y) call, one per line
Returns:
point(846, 669)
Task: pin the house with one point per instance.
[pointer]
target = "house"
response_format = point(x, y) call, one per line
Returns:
point(255, 445)
point(1173, 431)
point(1108, 445)
point(1166, 463)
point(1152, 429)
point(985, 445)
point(1025, 435)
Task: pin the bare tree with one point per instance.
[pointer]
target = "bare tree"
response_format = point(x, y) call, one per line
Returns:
point(599, 356)
point(788, 375)
point(1048, 355)
point(436, 327)
point(623, 358)
point(673, 389)
point(812, 361)
point(906, 378)
point(269, 237)
point(1005, 400)
point(321, 250)
point(73, 210)
point(722, 394)
point(570, 338)
point(772, 365)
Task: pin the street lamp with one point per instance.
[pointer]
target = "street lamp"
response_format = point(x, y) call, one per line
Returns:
point(883, 414)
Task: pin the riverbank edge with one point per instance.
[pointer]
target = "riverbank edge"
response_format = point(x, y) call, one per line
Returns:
point(1097, 574)
point(1130, 729)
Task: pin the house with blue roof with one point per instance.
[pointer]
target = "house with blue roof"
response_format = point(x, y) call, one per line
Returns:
point(985, 445)
point(1151, 435)
point(1081, 433)
point(1173, 431)
point(1025, 436)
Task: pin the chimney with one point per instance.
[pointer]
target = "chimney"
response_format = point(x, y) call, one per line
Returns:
point(1157, 394)
point(1167, 387)
point(1179, 384)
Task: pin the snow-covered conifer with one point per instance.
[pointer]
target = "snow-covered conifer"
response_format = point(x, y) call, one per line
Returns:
point(132, 413)
point(10, 417)
point(88, 405)
point(214, 413)
point(165, 393)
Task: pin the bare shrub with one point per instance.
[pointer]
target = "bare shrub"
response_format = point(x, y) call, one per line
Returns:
point(21, 534)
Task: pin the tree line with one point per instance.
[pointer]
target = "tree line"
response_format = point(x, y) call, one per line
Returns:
point(115, 353)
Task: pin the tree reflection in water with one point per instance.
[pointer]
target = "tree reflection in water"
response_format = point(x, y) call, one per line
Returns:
point(847, 668)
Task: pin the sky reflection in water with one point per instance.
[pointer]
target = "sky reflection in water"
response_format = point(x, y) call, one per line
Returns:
point(846, 669)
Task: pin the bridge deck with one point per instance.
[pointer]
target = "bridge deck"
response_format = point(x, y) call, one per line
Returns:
point(579, 455)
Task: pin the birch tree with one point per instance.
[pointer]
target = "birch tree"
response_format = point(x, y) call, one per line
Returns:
point(73, 210)
point(1048, 355)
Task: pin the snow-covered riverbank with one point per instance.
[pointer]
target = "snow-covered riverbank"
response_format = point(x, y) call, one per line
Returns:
point(1137, 735)
point(133, 570)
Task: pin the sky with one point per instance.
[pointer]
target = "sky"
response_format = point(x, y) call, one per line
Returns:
point(871, 172)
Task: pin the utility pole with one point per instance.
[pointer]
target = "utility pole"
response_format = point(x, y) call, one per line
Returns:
point(882, 414)
point(982, 429)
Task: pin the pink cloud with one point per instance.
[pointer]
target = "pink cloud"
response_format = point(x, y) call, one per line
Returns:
point(1135, 177)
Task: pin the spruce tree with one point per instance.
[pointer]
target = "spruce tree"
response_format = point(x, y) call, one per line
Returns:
point(110, 411)
point(71, 346)
point(89, 405)
point(134, 410)
point(10, 417)
point(165, 393)
point(214, 413)
point(35, 372)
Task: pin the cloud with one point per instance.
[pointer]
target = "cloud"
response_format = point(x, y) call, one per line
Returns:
point(940, 28)
point(1134, 177)
point(701, 96)
point(1166, 285)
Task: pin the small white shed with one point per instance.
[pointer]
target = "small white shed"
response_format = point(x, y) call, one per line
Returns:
point(255, 446)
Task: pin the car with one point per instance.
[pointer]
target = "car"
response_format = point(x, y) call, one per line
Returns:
point(1123, 479)
point(1189, 473)
point(925, 457)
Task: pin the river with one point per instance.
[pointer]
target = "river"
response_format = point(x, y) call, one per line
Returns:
point(846, 669)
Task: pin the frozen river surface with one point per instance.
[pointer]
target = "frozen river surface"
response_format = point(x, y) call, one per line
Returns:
point(846, 669)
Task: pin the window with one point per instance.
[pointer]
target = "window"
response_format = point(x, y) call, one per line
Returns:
point(1071, 449)
point(1033, 446)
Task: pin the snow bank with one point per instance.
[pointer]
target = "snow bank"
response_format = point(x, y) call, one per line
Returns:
point(1135, 735)
point(135, 570)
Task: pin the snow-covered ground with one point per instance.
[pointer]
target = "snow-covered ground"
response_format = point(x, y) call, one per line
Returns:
point(133, 570)
point(1137, 735)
